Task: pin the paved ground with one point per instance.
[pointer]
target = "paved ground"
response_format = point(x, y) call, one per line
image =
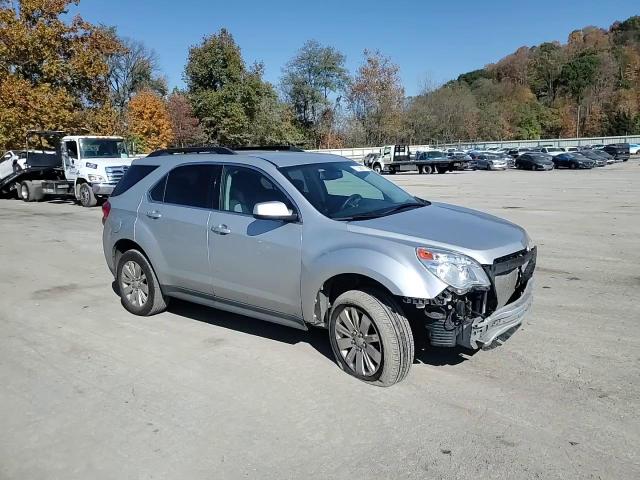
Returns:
point(89, 391)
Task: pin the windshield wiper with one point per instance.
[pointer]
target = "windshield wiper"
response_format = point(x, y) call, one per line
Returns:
point(384, 212)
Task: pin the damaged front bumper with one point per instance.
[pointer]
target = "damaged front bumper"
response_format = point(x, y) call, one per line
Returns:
point(483, 333)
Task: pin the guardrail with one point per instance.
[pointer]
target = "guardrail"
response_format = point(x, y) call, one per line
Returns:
point(360, 153)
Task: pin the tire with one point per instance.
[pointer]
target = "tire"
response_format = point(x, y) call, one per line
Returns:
point(420, 169)
point(572, 166)
point(427, 169)
point(133, 266)
point(31, 191)
point(377, 168)
point(392, 171)
point(442, 170)
point(86, 196)
point(395, 339)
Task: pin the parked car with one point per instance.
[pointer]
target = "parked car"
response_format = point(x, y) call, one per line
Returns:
point(534, 161)
point(634, 148)
point(515, 152)
point(573, 160)
point(466, 162)
point(599, 156)
point(553, 151)
point(605, 155)
point(354, 253)
point(619, 151)
point(490, 161)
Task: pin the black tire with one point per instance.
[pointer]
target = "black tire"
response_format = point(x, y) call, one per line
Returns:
point(420, 169)
point(442, 170)
point(377, 168)
point(396, 338)
point(392, 171)
point(156, 301)
point(427, 169)
point(31, 191)
point(86, 196)
point(573, 166)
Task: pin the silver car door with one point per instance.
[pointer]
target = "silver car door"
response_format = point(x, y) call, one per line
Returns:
point(177, 213)
point(256, 263)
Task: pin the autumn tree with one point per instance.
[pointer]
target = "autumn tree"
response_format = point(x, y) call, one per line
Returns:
point(149, 123)
point(53, 73)
point(376, 100)
point(132, 69)
point(185, 126)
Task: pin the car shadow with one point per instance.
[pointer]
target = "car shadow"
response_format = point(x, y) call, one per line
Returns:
point(315, 337)
point(438, 357)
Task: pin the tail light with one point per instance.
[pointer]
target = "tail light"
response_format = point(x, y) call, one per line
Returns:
point(106, 209)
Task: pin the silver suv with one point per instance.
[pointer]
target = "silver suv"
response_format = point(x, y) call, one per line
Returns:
point(306, 239)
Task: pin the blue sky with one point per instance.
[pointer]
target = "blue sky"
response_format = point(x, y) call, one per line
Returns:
point(435, 40)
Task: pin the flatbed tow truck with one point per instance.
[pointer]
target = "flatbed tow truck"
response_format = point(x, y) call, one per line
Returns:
point(86, 168)
point(398, 158)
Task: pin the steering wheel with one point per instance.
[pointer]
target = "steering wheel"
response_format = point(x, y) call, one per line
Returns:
point(353, 199)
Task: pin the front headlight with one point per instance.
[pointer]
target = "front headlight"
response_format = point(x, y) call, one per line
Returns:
point(530, 243)
point(96, 178)
point(454, 269)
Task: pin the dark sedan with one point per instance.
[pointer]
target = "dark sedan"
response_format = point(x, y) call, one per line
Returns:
point(573, 160)
point(597, 156)
point(619, 151)
point(534, 161)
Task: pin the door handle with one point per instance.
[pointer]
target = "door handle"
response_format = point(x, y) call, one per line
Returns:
point(221, 229)
point(154, 214)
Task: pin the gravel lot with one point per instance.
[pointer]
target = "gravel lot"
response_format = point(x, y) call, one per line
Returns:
point(90, 391)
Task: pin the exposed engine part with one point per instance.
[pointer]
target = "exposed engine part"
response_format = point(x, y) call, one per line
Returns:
point(448, 313)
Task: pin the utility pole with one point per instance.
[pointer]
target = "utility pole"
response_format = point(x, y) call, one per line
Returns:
point(578, 123)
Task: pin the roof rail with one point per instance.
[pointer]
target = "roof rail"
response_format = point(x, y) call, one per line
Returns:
point(270, 148)
point(203, 149)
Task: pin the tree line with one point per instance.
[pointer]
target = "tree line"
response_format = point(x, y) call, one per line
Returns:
point(75, 76)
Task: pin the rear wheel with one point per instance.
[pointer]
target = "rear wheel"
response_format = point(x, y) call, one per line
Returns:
point(86, 196)
point(392, 171)
point(370, 337)
point(138, 285)
point(31, 191)
point(427, 169)
point(442, 170)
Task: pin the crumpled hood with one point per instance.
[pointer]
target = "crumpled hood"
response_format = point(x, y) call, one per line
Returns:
point(479, 235)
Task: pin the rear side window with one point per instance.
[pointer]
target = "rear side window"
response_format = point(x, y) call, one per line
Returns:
point(194, 186)
point(133, 175)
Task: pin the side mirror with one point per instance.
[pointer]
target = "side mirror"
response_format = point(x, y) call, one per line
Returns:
point(273, 211)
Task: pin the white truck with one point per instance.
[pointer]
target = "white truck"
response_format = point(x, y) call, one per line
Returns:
point(85, 167)
point(398, 158)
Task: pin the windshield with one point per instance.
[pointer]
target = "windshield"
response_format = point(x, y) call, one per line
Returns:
point(103, 148)
point(348, 191)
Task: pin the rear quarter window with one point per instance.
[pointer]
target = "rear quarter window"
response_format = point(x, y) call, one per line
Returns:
point(134, 174)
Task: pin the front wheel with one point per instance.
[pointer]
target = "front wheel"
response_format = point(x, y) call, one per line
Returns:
point(377, 168)
point(86, 196)
point(370, 337)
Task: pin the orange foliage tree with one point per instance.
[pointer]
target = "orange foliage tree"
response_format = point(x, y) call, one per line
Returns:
point(149, 123)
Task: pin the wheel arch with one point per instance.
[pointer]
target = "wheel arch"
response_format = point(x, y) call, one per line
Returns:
point(349, 269)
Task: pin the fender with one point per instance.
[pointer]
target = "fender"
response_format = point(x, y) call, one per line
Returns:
point(399, 278)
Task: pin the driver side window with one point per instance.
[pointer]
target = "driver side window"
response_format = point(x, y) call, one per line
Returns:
point(72, 149)
point(244, 187)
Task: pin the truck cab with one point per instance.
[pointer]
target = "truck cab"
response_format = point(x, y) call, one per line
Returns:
point(388, 155)
point(94, 164)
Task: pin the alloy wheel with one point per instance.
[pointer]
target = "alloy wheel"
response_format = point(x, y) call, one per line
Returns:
point(134, 284)
point(358, 341)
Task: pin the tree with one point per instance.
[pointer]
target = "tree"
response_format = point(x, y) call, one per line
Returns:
point(52, 72)
point(132, 69)
point(185, 126)
point(545, 69)
point(376, 99)
point(149, 122)
point(309, 78)
point(228, 98)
